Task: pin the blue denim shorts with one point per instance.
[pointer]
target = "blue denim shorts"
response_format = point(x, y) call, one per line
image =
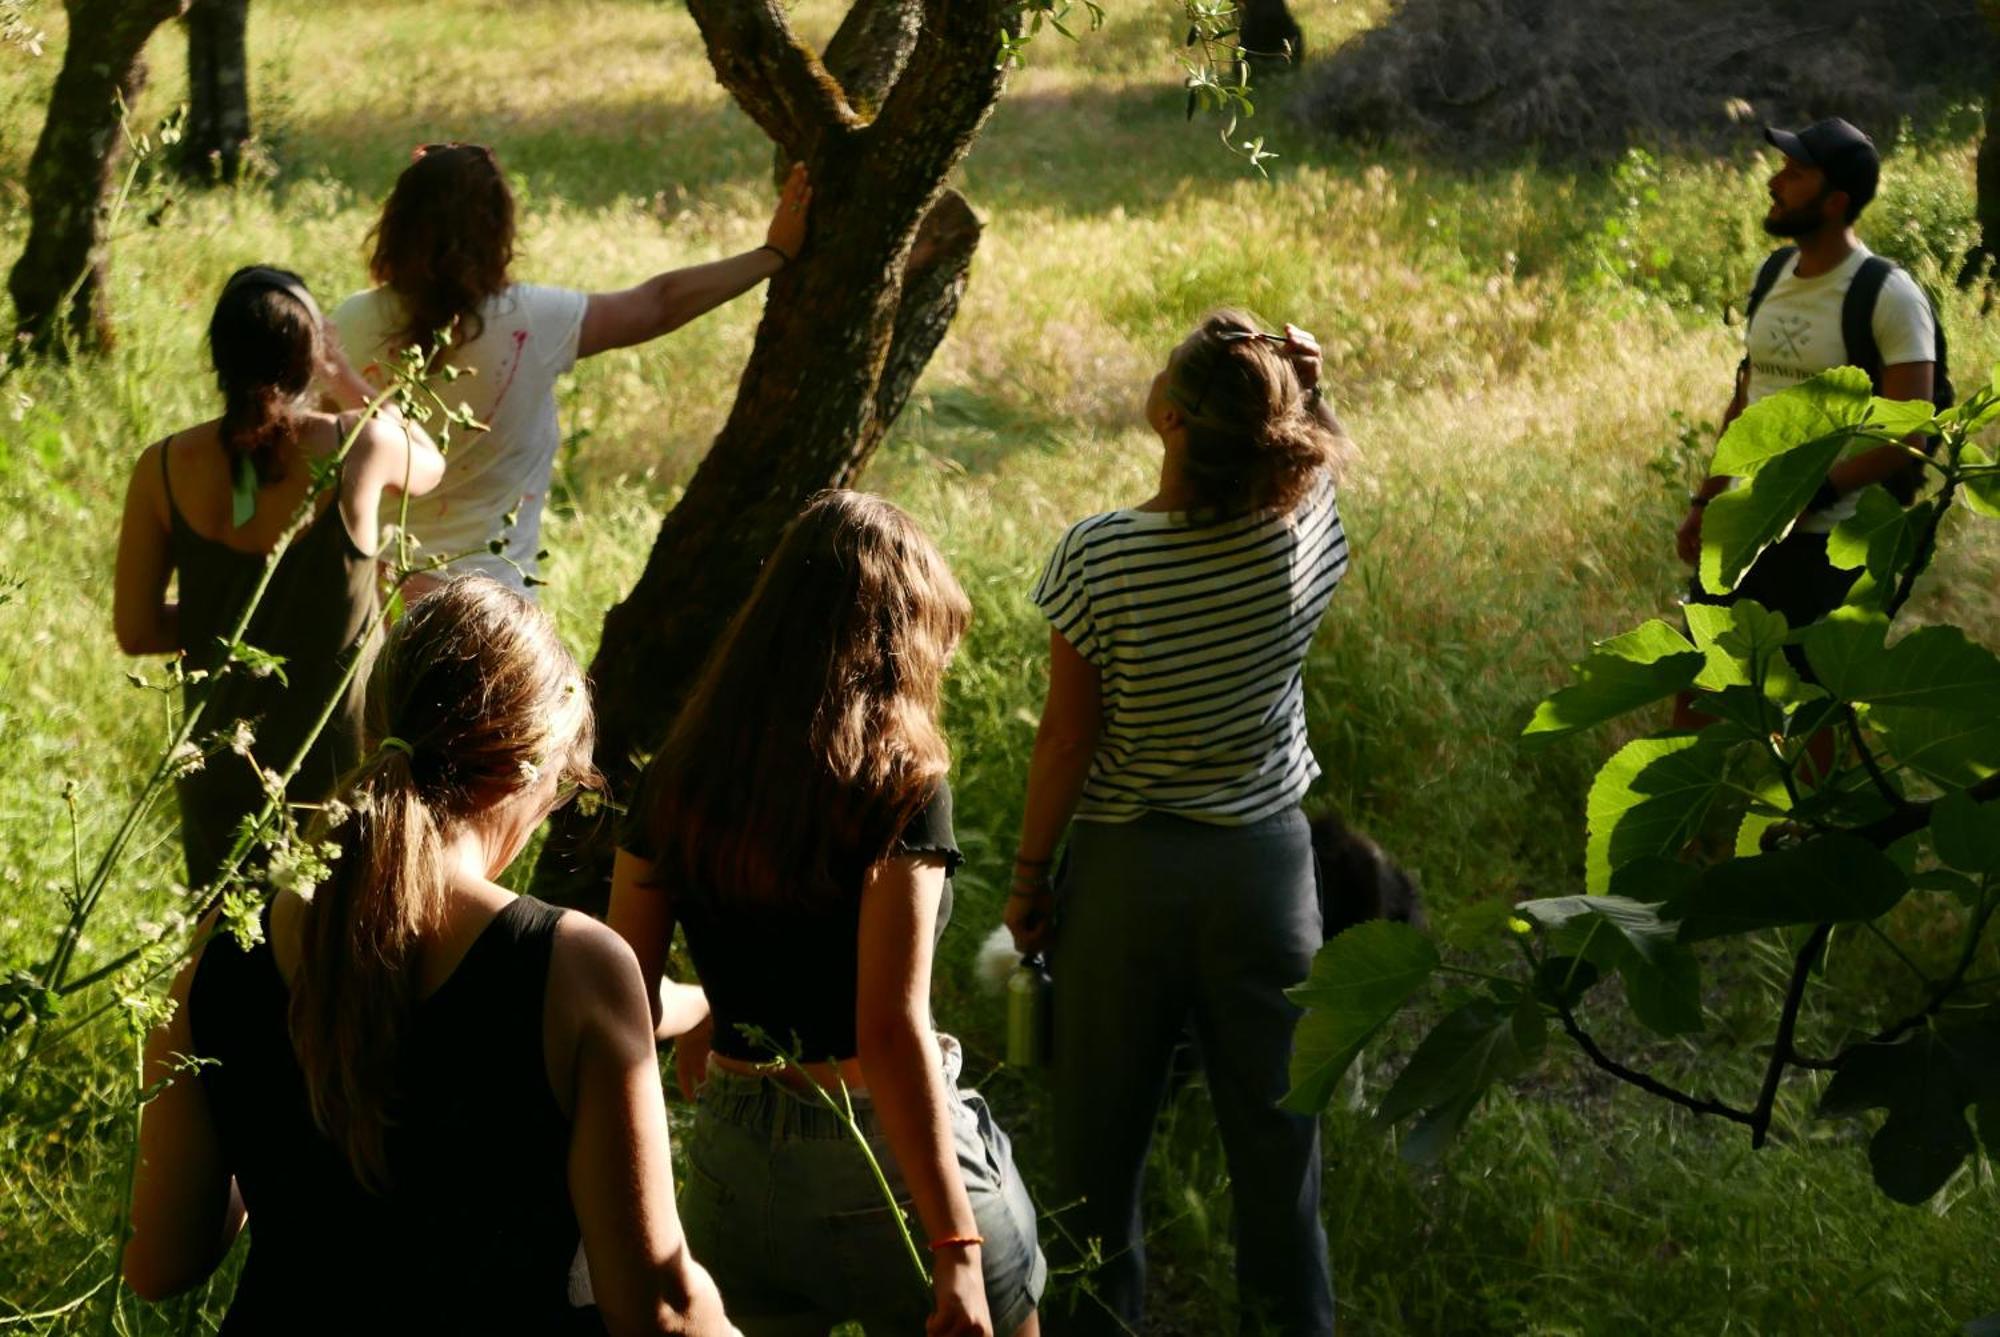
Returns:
point(781, 1208)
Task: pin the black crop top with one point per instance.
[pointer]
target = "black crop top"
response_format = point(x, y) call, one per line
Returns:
point(788, 971)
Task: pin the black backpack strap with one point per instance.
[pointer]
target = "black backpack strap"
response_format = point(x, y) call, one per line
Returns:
point(1857, 317)
point(1760, 288)
point(1767, 275)
point(1943, 393)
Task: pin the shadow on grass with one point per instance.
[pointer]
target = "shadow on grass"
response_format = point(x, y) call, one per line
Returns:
point(583, 153)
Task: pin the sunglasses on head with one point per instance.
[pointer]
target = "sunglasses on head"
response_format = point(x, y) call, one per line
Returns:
point(1238, 336)
point(1229, 337)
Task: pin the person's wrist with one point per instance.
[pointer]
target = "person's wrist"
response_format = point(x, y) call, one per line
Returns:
point(1696, 501)
point(785, 257)
point(1031, 877)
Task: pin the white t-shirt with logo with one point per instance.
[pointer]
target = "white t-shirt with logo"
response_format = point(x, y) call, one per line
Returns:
point(1795, 335)
point(529, 339)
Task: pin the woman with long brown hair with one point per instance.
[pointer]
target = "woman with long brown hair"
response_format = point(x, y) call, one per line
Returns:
point(422, 1088)
point(208, 504)
point(441, 260)
point(1173, 748)
point(797, 825)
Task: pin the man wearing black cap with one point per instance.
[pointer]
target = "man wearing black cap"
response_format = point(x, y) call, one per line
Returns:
point(1824, 301)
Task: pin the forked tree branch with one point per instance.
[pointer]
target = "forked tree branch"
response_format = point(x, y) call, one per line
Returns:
point(1644, 1081)
point(776, 78)
point(871, 48)
point(951, 80)
point(1886, 831)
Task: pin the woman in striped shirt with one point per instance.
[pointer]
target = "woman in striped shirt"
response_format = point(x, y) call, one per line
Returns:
point(1173, 748)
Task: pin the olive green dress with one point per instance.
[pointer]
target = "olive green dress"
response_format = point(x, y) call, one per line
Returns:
point(320, 603)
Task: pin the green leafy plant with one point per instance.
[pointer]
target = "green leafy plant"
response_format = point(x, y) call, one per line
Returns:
point(1731, 834)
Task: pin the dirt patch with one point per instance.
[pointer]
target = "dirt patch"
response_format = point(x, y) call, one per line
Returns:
point(1587, 78)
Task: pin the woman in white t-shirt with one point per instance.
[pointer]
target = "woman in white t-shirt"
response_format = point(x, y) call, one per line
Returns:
point(440, 260)
point(1173, 747)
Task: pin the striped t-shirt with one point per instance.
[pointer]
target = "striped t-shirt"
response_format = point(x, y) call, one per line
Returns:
point(1199, 633)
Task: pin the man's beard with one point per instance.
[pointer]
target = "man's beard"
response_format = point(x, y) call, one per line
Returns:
point(1793, 223)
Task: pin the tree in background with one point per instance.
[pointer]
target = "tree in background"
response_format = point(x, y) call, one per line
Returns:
point(1980, 257)
point(218, 119)
point(1271, 34)
point(58, 283)
point(880, 121)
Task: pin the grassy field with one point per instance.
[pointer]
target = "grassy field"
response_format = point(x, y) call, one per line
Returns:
point(1510, 346)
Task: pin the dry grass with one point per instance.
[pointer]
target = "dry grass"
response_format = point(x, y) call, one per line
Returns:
point(1478, 77)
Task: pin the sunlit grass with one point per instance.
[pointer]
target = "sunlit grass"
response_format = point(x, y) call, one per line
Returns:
point(1498, 351)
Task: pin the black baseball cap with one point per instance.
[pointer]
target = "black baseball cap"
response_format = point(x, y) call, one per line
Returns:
point(1847, 156)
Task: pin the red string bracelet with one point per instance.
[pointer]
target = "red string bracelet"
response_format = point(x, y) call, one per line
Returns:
point(957, 1242)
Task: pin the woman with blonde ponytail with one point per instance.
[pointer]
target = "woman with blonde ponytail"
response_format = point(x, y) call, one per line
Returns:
point(1173, 748)
point(422, 1089)
point(206, 507)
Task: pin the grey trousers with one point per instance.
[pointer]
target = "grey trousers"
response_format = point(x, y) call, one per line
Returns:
point(1165, 923)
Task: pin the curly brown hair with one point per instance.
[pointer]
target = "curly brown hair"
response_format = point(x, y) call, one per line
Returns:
point(444, 242)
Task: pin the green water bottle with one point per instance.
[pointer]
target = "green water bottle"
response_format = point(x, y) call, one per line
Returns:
point(1030, 1013)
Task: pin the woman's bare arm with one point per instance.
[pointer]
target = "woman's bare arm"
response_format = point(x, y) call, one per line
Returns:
point(642, 916)
point(146, 621)
point(620, 1168)
point(897, 1047)
point(1065, 743)
point(185, 1208)
point(668, 301)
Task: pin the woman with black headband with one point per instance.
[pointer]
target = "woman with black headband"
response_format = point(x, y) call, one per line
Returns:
point(1173, 749)
point(207, 506)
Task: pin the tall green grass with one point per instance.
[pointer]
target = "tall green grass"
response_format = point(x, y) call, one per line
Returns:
point(1508, 346)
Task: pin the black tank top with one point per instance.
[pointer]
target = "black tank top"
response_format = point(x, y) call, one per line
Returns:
point(476, 1233)
point(789, 971)
point(319, 603)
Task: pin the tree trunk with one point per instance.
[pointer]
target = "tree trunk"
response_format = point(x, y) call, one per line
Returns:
point(1981, 256)
point(58, 283)
point(845, 333)
point(218, 121)
point(1270, 36)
